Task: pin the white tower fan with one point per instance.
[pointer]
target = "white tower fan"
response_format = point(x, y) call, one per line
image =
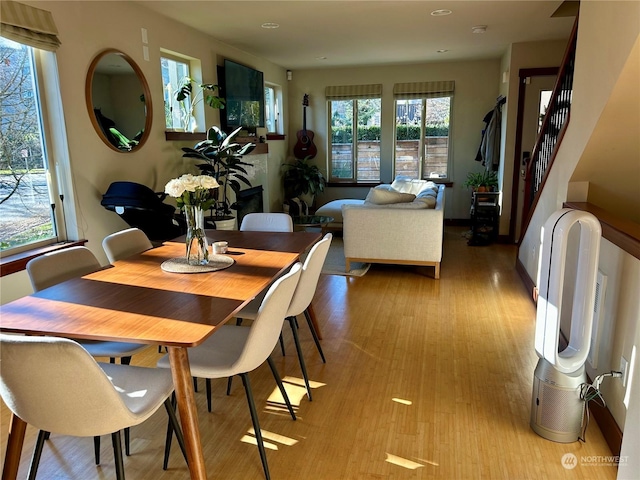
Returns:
point(557, 409)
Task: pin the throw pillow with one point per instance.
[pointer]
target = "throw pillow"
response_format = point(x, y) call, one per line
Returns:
point(408, 185)
point(381, 196)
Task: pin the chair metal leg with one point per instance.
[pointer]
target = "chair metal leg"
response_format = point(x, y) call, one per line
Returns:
point(256, 423)
point(276, 375)
point(117, 454)
point(208, 387)
point(172, 426)
point(314, 334)
point(303, 367)
point(229, 380)
point(281, 344)
point(127, 438)
point(96, 449)
point(37, 453)
point(195, 384)
point(127, 445)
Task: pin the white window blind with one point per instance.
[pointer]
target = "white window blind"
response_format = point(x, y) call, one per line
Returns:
point(28, 25)
point(346, 92)
point(424, 89)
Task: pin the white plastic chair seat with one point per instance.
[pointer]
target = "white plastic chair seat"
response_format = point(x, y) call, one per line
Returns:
point(267, 222)
point(217, 355)
point(125, 243)
point(143, 390)
point(55, 385)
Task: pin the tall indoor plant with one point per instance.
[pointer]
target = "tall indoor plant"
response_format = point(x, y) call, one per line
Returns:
point(302, 178)
point(222, 159)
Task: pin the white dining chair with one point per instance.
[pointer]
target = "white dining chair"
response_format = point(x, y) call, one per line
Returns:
point(55, 385)
point(238, 350)
point(123, 244)
point(300, 302)
point(56, 267)
point(266, 222)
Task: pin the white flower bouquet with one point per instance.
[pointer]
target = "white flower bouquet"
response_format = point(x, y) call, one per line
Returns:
point(192, 190)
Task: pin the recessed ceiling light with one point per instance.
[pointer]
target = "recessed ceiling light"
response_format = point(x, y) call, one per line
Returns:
point(270, 25)
point(442, 51)
point(441, 12)
point(479, 29)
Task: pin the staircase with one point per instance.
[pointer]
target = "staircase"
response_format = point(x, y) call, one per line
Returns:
point(553, 127)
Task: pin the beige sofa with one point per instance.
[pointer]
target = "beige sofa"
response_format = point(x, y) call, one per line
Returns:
point(397, 233)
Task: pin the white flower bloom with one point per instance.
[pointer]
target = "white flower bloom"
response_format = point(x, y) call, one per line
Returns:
point(190, 182)
point(208, 182)
point(174, 188)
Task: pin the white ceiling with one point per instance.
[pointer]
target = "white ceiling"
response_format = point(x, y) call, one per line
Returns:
point(369, 32)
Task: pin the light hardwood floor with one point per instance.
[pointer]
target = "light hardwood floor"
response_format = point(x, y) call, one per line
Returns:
point(424, 379)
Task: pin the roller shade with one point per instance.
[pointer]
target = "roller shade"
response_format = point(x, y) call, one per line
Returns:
point(28, 25)
point(424, 89)
point(345, 92)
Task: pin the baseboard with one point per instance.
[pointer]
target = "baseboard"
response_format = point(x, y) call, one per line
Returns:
point(457, 222)
point(602, 415)
point(528, 283)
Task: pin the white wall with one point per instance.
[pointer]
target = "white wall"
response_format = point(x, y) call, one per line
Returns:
point(477, 85)
point(607, 34)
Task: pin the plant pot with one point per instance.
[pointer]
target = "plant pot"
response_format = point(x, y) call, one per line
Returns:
point(224, 223)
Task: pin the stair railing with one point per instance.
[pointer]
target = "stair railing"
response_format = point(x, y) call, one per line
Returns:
point(554, 125)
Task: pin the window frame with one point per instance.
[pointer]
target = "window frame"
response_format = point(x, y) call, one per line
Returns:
point(277, 106)
point(353, 180)
point(423, 129)
point(47, 98)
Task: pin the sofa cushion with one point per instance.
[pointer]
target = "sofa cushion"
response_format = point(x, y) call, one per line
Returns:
point(409, 185)
point(380, 196)
point(334, 208)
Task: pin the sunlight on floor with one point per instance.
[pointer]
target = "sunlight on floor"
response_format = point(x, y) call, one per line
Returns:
point(267, 435)
point(300, 381)
point(402, 462)
point(402, 401)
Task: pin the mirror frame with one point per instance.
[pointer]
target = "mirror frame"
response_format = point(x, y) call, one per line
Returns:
point(88, 93)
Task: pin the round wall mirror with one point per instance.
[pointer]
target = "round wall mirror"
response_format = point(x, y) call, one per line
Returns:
point(118, 101)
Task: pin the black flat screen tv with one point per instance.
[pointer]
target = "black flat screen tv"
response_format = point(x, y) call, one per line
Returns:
point(243, 90)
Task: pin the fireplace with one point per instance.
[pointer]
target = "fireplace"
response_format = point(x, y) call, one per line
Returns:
point(249, 201)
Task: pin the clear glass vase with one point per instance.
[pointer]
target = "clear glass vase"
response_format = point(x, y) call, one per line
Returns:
point(196, 241)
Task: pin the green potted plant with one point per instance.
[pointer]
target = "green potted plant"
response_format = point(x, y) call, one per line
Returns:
point(188, 100)
point(223, 161)
point(302, 178)
point(482, 181)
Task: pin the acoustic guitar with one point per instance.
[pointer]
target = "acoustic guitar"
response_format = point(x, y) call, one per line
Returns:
point(305, 148)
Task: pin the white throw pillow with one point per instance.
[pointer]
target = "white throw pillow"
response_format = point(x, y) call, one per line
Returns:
point(380, 196)
point(408, 185)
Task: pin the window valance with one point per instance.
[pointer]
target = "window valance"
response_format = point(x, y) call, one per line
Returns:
point(344, 92)
point(28, 25)
point(423, 89)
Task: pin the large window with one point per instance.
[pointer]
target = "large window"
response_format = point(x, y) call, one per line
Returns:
point(355, 140)
point(174, 73)
point(27, 187)
point(422, 129)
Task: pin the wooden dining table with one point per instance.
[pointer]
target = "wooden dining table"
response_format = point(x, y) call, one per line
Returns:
point(135, 300)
